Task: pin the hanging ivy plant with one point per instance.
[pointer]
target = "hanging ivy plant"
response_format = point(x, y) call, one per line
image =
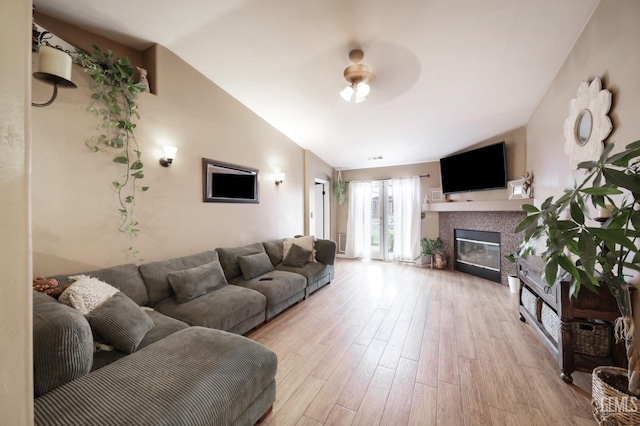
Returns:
point(114, 103)
point(339, 187)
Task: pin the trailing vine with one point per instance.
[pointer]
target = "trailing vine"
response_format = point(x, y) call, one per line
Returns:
point(114, 103)
point(339, 187)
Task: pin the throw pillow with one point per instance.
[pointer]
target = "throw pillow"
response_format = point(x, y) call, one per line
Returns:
point(121, 322)
point(297, 256)
point(195, 282)
point(307, 243)
point(86, 293)
point(255, 265)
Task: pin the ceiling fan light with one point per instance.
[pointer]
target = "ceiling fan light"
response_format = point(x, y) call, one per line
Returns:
point(362, 89)
point(347, 93)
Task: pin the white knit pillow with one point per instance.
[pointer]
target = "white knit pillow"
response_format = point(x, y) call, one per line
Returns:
point(86, 293)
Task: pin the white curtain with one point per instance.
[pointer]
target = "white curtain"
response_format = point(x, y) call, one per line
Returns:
point(359, 220)
point(406, 218)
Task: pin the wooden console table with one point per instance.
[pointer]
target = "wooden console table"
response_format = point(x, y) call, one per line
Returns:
point(588, 306)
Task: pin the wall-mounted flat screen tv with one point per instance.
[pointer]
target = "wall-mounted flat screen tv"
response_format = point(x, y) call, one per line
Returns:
point(476, 170)
point(229, 183)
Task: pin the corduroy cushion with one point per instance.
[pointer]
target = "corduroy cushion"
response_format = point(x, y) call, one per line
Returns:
point(195, 282)
point(155, 273)
point(120, 322)
point(254, 265)
point(62, 344)
point(274, 249)
point(229, 258)
point(297, 256)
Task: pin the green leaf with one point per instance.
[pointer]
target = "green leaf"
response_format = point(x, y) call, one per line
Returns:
point(529, 208)
point(630, 182)
point(121, 160)
point(551, 270)
point(587, 165)
point(144, 188)
point(568, 266)
point(129, 199)
point(116, 184)
point(615, 236)
point(587, 250)
point(525, 222)
point(138, 175)
point(576, 213)
point(601, 190)
point(136, 165)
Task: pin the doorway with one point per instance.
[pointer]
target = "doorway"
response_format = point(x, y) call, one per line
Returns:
point(321, 214)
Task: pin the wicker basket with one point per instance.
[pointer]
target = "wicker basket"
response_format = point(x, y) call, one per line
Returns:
point(551, 321)
point(592, 337)
point(531, 303)
point(610, 406)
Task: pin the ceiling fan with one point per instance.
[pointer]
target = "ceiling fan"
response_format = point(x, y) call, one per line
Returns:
point(357, 76)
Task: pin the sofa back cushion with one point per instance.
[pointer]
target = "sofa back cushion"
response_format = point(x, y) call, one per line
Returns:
point(62, 344)
point(274, 249)
point(156, 274)
point(229, 258)
point(125, 278)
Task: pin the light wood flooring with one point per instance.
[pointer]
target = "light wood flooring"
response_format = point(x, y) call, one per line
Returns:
point(394, 344)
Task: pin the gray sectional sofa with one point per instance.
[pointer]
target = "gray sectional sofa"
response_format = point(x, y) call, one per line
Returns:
point(188, 366)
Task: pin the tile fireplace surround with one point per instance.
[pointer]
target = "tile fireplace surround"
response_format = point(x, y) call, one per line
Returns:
point(503, 222)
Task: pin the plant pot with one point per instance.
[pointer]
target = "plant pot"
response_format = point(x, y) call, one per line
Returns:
point(424, 261)
point(439, 260)
point(610, 405)
point(514, 283)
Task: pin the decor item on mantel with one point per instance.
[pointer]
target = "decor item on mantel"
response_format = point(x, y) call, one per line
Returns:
point(588, 124)
point(521, 188)
point(588, 256)
point(339, 187)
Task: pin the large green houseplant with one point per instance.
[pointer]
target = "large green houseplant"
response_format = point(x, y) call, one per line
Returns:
point(590, 254)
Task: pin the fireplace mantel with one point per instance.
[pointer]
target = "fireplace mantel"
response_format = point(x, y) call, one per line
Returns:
point(479, 206)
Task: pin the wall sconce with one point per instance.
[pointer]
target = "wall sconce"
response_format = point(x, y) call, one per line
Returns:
point(169, 155)
point(54, 67)
point(279, 178)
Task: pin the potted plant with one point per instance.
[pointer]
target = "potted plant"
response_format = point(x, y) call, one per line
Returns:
point(427, 247)
point(589, 255)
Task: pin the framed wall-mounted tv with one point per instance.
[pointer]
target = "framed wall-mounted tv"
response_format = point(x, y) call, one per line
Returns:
point(476, 170)
point(229, 183)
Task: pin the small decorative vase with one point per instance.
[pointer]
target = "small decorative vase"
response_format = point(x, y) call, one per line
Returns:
point(514, 283)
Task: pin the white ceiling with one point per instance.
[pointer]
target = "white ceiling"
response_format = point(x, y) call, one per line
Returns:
point(448, 73)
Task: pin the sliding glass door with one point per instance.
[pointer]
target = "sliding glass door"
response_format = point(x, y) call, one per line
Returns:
point(381, 220)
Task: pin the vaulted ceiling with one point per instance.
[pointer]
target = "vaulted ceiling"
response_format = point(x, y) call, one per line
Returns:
point(447, 73)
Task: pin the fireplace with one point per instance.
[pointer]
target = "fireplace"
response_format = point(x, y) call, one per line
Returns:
point(477, 253)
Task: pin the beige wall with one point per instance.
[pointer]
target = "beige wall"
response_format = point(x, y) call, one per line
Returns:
point(16, 367)
point(74, 209)
point(607, 48)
